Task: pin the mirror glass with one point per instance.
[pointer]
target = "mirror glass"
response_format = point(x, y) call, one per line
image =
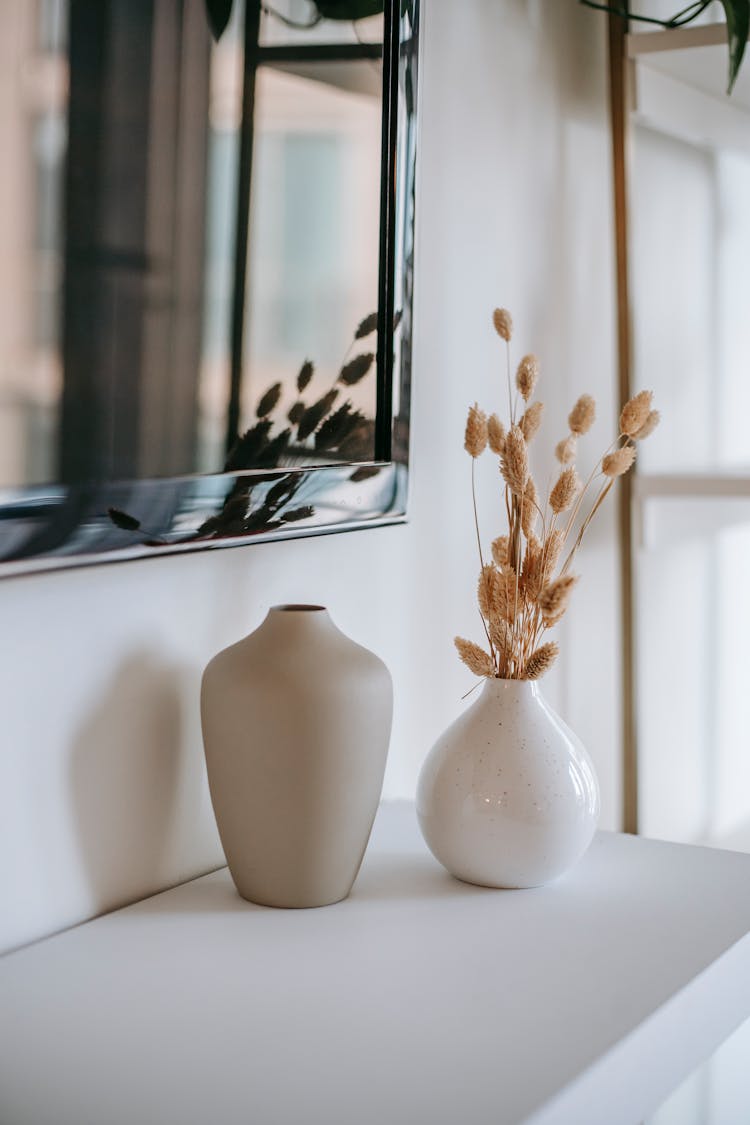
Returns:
point(205, 241)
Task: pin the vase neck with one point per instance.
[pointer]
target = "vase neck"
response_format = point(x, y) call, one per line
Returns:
point(512, 691)
point(297, 622)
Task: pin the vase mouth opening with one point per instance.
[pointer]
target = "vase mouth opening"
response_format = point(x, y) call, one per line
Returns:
point(298, 607)
point(505, 681)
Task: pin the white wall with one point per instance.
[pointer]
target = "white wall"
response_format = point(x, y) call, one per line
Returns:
point(102, 793)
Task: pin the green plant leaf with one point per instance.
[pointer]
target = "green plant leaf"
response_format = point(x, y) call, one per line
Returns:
point(738, 25)
point(218, 13)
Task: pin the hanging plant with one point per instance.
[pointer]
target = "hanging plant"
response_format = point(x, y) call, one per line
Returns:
point(737, 14)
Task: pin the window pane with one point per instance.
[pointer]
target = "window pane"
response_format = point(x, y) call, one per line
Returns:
point(694, 706)
point(691, 290)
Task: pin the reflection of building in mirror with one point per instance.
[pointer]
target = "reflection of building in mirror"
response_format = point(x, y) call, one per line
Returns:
point(313, 249)
point(116, 306)
point(33, 95)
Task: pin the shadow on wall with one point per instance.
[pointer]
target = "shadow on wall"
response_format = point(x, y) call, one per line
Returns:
point(131, 782)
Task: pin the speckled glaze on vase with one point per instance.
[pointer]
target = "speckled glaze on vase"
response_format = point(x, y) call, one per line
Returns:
point(296, 723)
point(508, 797)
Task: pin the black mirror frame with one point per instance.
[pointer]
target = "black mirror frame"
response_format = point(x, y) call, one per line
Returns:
point(62, 526)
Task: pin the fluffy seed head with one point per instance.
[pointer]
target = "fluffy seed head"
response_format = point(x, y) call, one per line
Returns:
point(507, 604)
point(648, 427)
point(529, 508)
point(565, 450)
point(503, 323)
point(635, 413)
point(500, 550)
point(553, 546)
point(515, 461)
point(496, 593)
point(489, 590)
point(501, 636)
point(565, 491)
point(496, 434)
point(475, 658)
point(554, 598)
point(475, 438)
point(532, 577)
point(527, 375)
point(541, 661)
point(581, 417)
point(531, 420)
point(617, 463)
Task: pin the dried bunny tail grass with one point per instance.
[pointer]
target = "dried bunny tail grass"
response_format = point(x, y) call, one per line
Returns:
point(565, 491)
point(553, 600)
point(506, 605)
point(581, 417)
point(531, 420)
point(540, 661)
point(496, 593)
point(565, 450)
point(475, 438)
point(515, 461)
point(617, 463)
point(496, 434)
point(529, 508)
point(501, 636)
point(532, 576)
point(503, 322)
point(648, 427)
point(475, 658)
point(488, 590)
point(635, 412)
point(527, 375)
point(500, 550)
point(553, 546)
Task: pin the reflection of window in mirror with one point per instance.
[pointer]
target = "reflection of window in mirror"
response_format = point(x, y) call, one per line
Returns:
point(120, 129)
point(312, 262)
point(314, 224)
point(33, 86)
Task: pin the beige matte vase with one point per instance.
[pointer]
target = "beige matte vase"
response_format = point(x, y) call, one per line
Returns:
point(296, 724)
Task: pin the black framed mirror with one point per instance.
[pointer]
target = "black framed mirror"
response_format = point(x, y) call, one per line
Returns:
point(209, 274)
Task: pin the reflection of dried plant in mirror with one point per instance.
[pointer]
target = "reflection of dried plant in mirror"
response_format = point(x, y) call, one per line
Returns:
point(322, 429)
point(317, 425)
point(523, 588)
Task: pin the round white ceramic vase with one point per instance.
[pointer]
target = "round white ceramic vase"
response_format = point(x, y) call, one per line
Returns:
point(296, 722)
point(508, 797)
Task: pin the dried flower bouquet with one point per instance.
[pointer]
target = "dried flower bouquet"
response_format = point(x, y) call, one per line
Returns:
point(525, 589)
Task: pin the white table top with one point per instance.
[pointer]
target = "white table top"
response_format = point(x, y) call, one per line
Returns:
point(419, 999)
